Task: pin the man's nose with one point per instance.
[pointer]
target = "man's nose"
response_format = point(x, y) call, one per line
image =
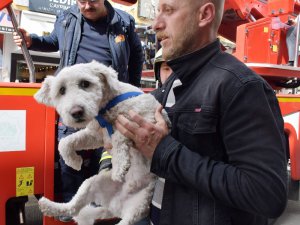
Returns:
point(157, 23)
point(87, 5)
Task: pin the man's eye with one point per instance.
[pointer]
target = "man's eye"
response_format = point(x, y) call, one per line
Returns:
point(167, 10)
point(84, 84)
point(62, 90)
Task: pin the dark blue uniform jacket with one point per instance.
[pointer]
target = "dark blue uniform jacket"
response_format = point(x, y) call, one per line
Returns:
point(127, 55)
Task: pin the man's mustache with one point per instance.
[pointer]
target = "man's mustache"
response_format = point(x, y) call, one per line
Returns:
point(90, 10)
point(161, 36)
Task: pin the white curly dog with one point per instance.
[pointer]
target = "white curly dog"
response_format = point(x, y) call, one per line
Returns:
point(90, 96)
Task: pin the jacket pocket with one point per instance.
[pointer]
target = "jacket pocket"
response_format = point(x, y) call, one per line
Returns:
point(198, 132)
point(194, 123)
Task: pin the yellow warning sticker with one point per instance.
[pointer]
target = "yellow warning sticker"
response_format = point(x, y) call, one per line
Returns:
point(24, 181)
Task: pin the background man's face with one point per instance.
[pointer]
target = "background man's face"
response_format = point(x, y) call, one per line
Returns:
point(92, 10)
point(165, 72)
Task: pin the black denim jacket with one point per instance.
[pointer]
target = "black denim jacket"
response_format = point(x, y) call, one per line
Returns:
point(224, 160)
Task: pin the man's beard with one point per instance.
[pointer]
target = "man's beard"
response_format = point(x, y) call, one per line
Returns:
point(183, 43)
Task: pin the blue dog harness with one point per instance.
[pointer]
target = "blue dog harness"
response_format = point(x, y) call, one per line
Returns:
point(103, 122)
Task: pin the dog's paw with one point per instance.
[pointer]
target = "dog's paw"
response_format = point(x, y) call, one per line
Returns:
point(69, 154)
point(46, 207)
point(116, 176)
point(75, 163)
point(54, 209)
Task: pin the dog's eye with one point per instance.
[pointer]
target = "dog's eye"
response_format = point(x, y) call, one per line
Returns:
point(84, 84)
point(62, 90)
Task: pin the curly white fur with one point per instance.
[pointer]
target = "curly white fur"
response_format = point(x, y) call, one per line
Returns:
point(78, 93)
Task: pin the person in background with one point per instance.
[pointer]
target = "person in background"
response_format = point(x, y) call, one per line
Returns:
point(1, 57)
point(90, 30)
point(162, 72)
point(291, 36)
point(224, 159)
point(1, 65)
point(161, 69)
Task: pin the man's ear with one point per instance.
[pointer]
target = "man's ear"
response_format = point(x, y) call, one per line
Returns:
point(43, 94)
point(207, 13)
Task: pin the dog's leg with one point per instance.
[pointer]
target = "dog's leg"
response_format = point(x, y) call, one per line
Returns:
point(137, 206)
point(85, 139)
point(120, 156)
point(83, 197)
point(89, 214)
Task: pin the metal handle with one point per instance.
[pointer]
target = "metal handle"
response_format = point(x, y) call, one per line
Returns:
point(24, 48)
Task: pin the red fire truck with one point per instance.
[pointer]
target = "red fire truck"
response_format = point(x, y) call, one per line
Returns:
point(27, 129)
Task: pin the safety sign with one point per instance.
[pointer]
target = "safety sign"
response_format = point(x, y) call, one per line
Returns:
point(24, 181)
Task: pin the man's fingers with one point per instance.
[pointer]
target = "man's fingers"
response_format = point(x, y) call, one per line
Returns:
point(132, 130)
point(140, 121)
point(158, 115)
point(136, 118)
point(125, 126)
point(22, 30)
point(144, 134)
point(130, 125)
point(16, 36)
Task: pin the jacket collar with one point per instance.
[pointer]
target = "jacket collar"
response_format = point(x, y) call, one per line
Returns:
point(74, 10)
point(189, 65)
point(112, 17)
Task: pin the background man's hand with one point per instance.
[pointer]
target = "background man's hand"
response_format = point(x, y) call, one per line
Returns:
point(145, 135)
point(18, 40)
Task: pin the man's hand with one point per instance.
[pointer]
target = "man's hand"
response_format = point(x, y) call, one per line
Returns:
point(145, 135)
point(18, 40)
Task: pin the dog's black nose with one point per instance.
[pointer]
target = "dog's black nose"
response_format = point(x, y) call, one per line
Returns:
point(77, 112)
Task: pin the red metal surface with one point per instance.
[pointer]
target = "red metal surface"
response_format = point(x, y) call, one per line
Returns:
point(148, 73)
point(40, 140)
point(290, 108)
point(275, 71)
point(275, 74)
point(244, 8)
point(125, 2)
point(238, 12)
point(260, 42)
point(5, 3)
point(148, 90)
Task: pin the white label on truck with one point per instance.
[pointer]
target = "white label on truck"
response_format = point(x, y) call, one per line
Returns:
point(12, 130)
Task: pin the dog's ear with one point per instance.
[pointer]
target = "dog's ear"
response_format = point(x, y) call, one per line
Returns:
point(43, 94)
point(106, 74)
